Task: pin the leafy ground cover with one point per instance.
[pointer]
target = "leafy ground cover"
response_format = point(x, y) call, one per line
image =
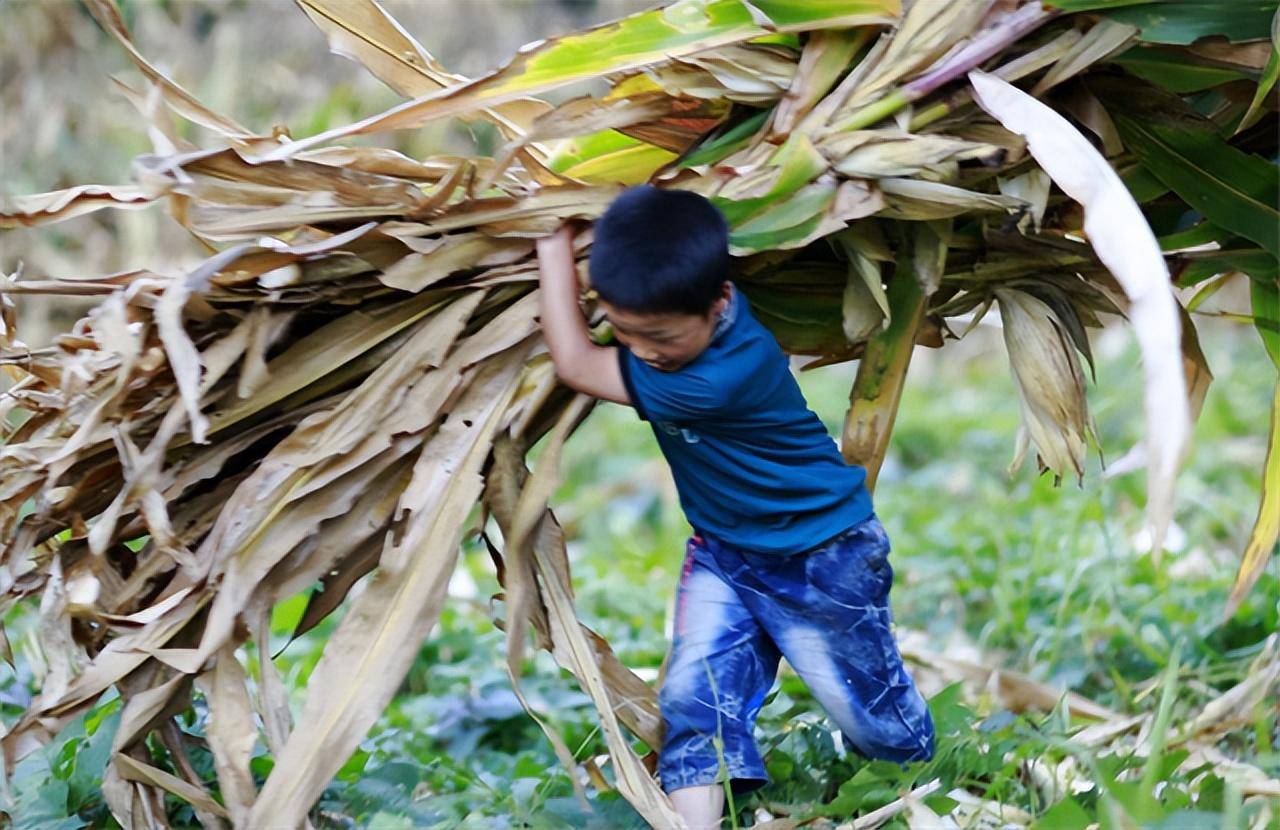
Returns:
point(992, 570)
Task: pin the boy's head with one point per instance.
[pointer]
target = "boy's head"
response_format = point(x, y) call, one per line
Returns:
point(660, 264)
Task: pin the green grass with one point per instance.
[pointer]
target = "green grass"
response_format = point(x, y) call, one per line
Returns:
point(1042, 579)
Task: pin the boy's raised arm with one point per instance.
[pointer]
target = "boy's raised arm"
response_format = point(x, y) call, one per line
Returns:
point(580, 363)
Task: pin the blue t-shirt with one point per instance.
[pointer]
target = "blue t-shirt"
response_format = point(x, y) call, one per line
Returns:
point(753, 465)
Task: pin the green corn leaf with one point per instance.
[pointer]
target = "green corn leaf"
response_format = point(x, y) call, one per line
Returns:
point(1265, 295)
point(1142, 185)
point(1268, 80)
point(1175, 70)
point(721, 146)
point(1228, 186)
point(1200, 234)
point(798, 163)
point(1183, 21)
point(1255, 262)
point(608, 156)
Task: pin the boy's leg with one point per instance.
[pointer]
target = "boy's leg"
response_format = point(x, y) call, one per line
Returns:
point(848, 656)
point(722, 665)
point(828, 611)
point(701, 807)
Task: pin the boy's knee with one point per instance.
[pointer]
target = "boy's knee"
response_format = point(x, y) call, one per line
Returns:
point(915, 741)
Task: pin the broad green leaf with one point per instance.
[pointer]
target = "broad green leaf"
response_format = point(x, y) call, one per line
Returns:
point(779, 39)
point(1200, 234)
point(568, 152)
point(1255, 262)
point(1183, 21)
point(804, 322)
point(1176, 70)
point(1268, 80)
point(1265, 296)
point(1142, 185)
point(778, 238)
point(626, 165)
point(723, 145)
point(816, 210)
point(790, 212)
point(817, 334)
point(609, 156)
point(797, 163)
point(1228, 186)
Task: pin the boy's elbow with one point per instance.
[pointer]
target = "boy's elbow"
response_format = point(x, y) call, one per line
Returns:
point(591, 371)
point(568, 371)
point(578, 376)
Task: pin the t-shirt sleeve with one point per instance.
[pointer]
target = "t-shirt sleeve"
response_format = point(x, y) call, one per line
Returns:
point(666, 396)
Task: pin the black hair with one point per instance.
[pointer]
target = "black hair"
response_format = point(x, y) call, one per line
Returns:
point(656, 251)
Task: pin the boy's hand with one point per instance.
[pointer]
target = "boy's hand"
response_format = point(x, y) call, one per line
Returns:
point(560, 236)
point(557, 265)
point(580, 364)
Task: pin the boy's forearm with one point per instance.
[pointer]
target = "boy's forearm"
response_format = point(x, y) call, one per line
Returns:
point(580, 363)
point(562, 321)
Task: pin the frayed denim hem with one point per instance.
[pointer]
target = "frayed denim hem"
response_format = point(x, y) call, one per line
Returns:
point(742, 778)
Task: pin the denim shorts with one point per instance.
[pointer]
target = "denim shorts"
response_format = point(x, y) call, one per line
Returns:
point(827, 612)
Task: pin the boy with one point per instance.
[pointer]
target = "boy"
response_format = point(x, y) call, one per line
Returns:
point(787, 557)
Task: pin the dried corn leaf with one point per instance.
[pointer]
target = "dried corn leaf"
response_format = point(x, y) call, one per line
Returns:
point(1122, 240)
point(1049, 380)
point(368, 655)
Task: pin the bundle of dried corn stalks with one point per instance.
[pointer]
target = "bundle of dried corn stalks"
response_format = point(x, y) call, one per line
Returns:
point(348, 386)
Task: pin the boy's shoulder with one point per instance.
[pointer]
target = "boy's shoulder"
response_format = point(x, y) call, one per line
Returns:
point(741, 347)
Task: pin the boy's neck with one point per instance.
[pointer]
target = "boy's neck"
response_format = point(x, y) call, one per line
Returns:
point(729, 314)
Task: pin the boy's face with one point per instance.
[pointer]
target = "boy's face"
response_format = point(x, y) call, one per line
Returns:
point(666, 341)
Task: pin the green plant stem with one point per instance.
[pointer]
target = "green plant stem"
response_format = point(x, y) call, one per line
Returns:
point(877, 388)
